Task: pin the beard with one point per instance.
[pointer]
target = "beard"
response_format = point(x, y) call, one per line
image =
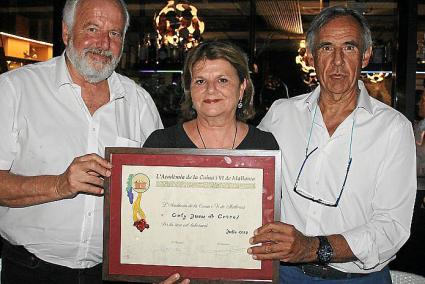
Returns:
point(92, 71)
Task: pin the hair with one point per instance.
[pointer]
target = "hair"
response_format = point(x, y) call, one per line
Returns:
point(68, 14)
point(212, 50)
point(330, 13)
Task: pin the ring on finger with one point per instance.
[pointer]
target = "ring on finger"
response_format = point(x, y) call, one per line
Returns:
point(269, 248)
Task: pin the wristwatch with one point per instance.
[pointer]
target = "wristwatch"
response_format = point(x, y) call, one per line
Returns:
point(325, 251)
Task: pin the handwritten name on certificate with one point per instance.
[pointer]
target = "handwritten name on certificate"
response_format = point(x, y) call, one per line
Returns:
point(190, 216)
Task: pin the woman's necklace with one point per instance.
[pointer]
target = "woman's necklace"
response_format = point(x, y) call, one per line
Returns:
point(203, 143)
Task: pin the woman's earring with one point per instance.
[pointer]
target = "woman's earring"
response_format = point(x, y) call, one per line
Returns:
point(240, 104)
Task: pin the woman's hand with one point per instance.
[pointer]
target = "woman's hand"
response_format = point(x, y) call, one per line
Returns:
point(173, 279)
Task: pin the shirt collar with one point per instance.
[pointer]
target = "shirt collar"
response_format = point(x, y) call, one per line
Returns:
point(63, 78)
point(313, 98)
point(363, 100)
point(116, 87)
point(62, 74)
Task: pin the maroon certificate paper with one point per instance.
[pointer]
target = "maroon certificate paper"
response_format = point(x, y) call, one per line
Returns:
point(189, 211)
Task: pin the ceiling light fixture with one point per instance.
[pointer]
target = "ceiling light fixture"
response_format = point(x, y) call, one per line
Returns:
point(178, 25)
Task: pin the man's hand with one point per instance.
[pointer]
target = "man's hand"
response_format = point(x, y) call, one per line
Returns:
point(173, 279)
point(283, 242)
point(85, 174)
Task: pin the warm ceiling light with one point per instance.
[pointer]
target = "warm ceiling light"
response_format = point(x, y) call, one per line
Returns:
point(377, 77)
point(309, 73)
point(179, 25)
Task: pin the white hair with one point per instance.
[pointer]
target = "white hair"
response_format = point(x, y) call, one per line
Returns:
point(330, 13)
point(68, 15)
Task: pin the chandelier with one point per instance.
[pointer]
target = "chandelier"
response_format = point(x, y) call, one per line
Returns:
point(178, 25)
point(309, 73)
point(377, 76)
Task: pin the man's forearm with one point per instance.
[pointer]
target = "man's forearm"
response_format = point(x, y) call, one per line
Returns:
point(340, 247)
point(282, 241)
point(342, 251)
point(21, 191)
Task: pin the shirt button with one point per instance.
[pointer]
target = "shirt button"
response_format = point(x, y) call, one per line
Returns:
point(94, 129)
point(89, 214)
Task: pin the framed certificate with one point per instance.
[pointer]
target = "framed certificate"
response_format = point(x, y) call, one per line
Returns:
point(189, 211)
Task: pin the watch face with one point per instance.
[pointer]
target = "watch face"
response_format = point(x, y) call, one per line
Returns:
point(325, 251)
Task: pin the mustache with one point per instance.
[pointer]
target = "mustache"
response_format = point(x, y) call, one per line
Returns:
point(98, 51)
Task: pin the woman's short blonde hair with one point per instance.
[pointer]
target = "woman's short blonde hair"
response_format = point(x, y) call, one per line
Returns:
point(212, 50)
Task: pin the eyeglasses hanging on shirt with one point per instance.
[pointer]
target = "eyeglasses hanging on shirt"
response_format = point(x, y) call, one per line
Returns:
point(308, 195)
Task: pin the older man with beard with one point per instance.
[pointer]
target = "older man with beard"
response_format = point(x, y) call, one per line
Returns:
point(56, 118)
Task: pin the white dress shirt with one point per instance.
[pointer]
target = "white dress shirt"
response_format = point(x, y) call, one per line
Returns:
point(375, 209)
point(44, 125)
